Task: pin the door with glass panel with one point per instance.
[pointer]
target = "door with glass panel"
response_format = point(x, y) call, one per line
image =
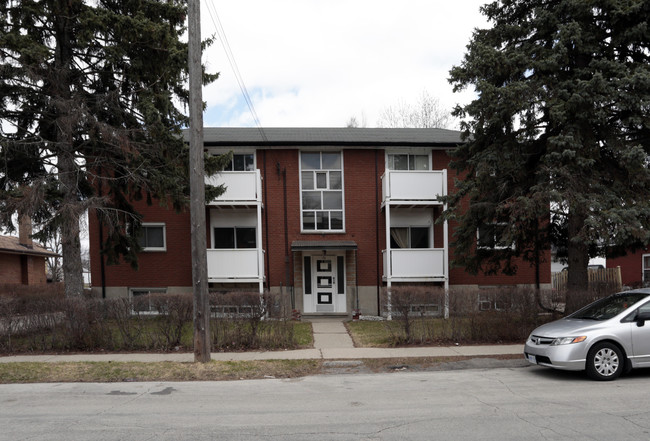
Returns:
point(324, 284)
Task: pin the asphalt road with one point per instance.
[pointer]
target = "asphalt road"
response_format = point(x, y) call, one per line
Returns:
point(512, 403)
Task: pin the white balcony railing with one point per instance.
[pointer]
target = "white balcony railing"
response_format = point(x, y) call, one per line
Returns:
point(241, 186)
point(414, 264)
point(399, 185)
point(235, 264)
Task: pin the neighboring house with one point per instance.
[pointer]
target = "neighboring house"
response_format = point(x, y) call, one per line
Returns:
point(22, 262)
point(327, 215)
point(635, 267)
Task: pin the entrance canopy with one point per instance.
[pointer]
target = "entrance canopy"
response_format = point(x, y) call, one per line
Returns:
point(315, 245)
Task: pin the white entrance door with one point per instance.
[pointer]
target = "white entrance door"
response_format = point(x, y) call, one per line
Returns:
point(324, 284)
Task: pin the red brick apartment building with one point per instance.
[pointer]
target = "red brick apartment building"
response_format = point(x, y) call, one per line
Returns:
point(326, 215)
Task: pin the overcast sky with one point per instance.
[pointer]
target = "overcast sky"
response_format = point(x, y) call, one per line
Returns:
point(317, 63)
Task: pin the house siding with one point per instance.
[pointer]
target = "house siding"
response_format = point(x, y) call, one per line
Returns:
point(631, 266)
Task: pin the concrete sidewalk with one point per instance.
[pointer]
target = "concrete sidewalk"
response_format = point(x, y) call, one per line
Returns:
point(331, 342)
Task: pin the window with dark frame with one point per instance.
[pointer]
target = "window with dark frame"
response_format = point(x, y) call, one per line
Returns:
point(152, 237)
point(234, 237)
point(492, 236)
point(410, 237)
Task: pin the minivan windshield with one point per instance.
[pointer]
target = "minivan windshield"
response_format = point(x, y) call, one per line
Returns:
point(609, 307)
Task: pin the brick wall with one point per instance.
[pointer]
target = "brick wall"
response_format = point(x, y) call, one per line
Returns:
point(458, 276)
point(22, 269)
point(362, 188)
point(364, 224)
point(10, 269)
point(155, 269)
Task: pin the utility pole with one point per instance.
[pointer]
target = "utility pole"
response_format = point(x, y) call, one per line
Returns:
point(197, 188)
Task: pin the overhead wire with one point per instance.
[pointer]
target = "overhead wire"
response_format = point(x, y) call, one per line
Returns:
point(221, 33)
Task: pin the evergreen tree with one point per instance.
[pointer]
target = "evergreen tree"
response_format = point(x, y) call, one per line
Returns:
point(89, 103)
point(561, 122)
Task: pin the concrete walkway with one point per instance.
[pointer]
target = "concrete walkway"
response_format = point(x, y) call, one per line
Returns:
point(331, 342)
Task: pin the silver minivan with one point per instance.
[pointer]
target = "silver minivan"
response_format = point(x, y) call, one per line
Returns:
point(605, 338)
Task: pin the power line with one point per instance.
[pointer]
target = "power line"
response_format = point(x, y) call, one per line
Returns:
point(221, 33)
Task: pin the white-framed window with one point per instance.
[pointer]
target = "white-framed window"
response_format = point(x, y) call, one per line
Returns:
point(234, 237)
point(321, 191)
point(241, 162)
point(152, 237)
point(410, 237)
point(408, 161)
point(141, 299)
point(491, 236)
point(646, 269)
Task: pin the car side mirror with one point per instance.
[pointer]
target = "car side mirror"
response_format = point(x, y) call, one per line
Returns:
point(642, 317)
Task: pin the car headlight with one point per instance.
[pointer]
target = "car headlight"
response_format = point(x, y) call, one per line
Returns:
point(568, 340)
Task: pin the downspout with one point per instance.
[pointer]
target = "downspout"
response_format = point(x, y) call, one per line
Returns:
point(445, 232)
point(356, 277)
point(286, 228)
point(287, 270)
point(266, 226)
point(377, 250)
point(102, 267)
point(537, 260)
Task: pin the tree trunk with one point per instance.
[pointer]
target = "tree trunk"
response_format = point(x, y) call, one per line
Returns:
point(578, 260)
point(67, 168)
point(70, 242)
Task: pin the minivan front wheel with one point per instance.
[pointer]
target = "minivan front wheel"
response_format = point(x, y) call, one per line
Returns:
point(605, 362)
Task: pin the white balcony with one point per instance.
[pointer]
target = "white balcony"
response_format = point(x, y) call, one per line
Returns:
point(414, 265)
point(414, 186)
point(242, 187)
point(235, 265)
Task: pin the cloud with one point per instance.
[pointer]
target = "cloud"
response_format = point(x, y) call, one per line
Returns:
point(318, 63)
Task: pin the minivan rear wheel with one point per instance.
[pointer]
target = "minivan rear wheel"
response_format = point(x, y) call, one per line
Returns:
point(605, 362)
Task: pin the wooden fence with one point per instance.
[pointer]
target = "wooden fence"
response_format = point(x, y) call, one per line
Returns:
point(597, 277)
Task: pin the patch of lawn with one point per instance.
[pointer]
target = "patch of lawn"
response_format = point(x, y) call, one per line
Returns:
point(481, 328)
point(303, 336)
point(370, 334)
point(114, 372)
point(108, 372)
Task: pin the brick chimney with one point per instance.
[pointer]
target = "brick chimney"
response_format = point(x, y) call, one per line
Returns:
point(25, 231)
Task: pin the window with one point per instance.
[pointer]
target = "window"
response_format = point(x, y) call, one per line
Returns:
point(241, 162)
point(646, 269)
point(141, 299)
point(409, 237)
point(235, 238)
point(492, 236)
point(321, 183)
point(152, 237)
point(407, 161)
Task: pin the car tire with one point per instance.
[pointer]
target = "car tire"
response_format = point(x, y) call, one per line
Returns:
point(605, 362)
point(628, 367)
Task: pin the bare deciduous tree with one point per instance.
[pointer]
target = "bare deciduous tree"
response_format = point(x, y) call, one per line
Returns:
point(427, 112)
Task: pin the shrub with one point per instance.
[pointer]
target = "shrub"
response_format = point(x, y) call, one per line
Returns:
point(475, 316)
point(126, 322)
point(247, 320)
point(407, 304)
point(174, 313)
